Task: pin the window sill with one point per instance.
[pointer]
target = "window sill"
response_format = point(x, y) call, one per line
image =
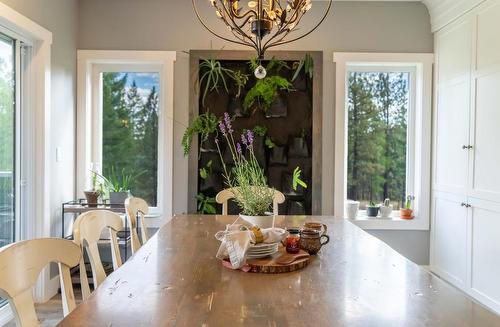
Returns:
point(391, 223)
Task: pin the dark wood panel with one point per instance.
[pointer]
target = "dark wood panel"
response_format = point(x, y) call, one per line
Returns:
point(356, 280)
point(317, 103)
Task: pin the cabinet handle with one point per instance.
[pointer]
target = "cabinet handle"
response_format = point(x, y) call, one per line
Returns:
point(468, 205)
point(463, 204)
point(467, 147)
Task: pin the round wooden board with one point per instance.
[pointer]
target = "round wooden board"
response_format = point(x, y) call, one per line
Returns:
point(280, 262)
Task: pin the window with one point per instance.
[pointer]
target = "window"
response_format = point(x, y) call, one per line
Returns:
point(382, 134)
point(7, 140)
point(130, 103)
point(125, 123)
point(378, 138)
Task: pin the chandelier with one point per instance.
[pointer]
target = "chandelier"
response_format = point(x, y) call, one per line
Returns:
point(261, 24)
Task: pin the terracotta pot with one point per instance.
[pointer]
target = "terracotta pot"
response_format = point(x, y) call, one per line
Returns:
point(406, 213)
point(92, 198)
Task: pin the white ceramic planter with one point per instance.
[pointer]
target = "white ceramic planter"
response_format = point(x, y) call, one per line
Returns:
point(386, 211)
point(261, 221)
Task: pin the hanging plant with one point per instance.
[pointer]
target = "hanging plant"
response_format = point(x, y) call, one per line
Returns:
point(265, 92)
point(306, 64)
point(204, 125)
point(214, 75)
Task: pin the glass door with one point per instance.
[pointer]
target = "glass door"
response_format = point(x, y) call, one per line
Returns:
point(7, 140)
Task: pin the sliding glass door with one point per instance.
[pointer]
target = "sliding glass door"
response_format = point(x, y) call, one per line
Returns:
point(7, 140)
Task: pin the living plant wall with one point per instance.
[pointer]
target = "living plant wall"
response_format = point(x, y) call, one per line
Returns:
point(279, 111)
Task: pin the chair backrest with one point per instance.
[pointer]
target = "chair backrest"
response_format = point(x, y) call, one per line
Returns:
point(227, 194)
point(87, 230)
point(20, 265)
point(137, 207)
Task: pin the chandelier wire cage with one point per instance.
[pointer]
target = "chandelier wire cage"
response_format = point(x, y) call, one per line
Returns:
point(261, 24)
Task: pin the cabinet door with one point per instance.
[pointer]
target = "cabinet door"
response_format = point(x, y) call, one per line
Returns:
point(449, 238)
point(485, 252)
point(451, 128)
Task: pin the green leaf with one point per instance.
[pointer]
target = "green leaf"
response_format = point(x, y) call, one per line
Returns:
point(296, 179)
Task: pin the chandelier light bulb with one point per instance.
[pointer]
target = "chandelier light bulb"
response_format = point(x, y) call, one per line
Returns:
point(260, 72)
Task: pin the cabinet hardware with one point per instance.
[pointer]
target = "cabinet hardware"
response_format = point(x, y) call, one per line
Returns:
point(467, 147)
point(463, 204)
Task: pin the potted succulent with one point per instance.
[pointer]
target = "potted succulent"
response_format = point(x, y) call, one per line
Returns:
point(407, 211)
point(386, 208)
point(372, 209)
point(93, 195)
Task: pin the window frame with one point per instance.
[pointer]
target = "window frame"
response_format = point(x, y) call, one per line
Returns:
point(419, 133)
point(89, 117)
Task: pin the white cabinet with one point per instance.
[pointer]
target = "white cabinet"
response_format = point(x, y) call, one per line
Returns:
point(485, 251)
point(449, 246)
point(465, 233)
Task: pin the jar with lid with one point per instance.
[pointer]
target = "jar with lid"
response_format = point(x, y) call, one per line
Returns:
point(292, 241)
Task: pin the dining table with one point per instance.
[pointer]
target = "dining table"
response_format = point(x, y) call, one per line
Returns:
point(356, 279)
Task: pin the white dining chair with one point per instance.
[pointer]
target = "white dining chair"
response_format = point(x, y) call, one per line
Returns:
point(137, 207)
point(20, 265)
point(225, 195)
point(87, 230)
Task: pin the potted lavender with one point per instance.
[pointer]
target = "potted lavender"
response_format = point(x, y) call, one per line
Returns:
point(246, 179)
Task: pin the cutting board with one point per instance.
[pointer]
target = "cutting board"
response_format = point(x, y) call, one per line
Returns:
point(280, 262)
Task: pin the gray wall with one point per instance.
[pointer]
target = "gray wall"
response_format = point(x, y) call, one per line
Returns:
point(171, 25)
point(61, 18)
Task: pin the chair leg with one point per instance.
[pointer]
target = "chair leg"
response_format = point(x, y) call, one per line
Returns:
point(68, 297)
point(24, 309)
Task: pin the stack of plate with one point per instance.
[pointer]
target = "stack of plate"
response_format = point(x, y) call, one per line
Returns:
point(262, 250)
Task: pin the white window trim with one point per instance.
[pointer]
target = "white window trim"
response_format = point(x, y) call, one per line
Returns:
point(422, 62)
point(36, 146)
point(92, 61)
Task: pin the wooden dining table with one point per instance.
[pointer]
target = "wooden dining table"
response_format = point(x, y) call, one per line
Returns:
point(355, 280)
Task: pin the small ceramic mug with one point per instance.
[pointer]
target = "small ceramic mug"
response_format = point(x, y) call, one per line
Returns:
point(352, 208)
point(310, 240)
point(316, 226)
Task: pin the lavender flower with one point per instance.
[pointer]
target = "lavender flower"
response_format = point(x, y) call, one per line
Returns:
point(227, 121)
point(250, 137)
point(244, 140)
point(222, 127)
point(238, 149)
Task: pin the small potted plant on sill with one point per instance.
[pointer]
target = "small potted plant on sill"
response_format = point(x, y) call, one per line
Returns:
point(386, 209)
point(372, 209)
point(93, 195)
point(118, 187)
point(407, 211)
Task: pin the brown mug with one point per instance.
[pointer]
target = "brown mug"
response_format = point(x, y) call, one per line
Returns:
point(310, 240)
point(316, 226)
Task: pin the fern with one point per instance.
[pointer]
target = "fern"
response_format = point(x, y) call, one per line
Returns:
point(265, 91)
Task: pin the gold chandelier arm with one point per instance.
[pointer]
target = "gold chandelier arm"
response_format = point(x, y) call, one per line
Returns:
point(284, 27)
point(238, 28)
point(268, 46)
point(215, 34)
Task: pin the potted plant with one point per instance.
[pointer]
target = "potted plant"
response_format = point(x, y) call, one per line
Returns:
point(204, 125)
point(266, 92)
point(386, 209)
point(407, 211)
point(206, 204)
point(93, 195)
point(278, 153)
point(118, 186)
point(306, 65)
point(235, 102)
point(372, 209)
point(298, 146)
point(252, 194)
point(213, 74)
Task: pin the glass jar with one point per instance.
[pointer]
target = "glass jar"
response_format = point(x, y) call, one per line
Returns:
point(292, 242)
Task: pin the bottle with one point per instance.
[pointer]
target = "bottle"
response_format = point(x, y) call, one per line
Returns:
point(292, 242)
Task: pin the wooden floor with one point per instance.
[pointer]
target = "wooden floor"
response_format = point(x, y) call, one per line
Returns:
point(50, 313)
